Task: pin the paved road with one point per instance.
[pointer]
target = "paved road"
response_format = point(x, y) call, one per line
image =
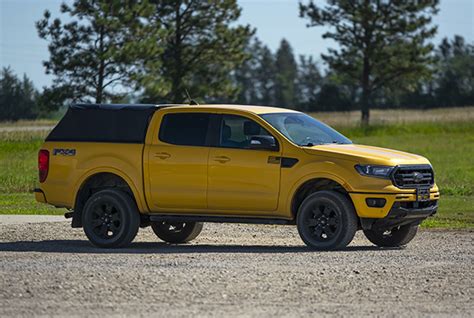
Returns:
point(232, 270)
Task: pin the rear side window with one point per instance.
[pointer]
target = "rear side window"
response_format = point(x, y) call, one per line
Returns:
point(187, 129)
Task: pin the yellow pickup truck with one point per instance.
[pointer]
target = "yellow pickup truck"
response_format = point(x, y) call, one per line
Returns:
point(173, 167)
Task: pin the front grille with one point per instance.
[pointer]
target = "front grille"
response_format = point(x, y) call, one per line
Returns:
point(412, 177)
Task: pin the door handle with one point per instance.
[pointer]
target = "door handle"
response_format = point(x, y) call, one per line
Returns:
point(162, 155)
point(221, 159)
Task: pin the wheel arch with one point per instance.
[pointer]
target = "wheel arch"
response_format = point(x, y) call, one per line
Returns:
point(313, 184)
point(99, 179)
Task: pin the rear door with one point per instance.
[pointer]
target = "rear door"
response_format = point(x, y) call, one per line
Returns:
point(177, 162)
point(241, 178)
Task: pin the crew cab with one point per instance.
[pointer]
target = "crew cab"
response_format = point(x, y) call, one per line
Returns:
point(173, 167)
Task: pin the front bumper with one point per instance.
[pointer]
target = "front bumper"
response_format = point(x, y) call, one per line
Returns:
point(392, 200)
point(402, 213)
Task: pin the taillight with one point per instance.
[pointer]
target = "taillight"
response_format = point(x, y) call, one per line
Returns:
point(43, 164)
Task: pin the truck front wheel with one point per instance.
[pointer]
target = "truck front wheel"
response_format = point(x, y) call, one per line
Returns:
point(177, 232)
point(110, 219)
point(327, 220)
point(396, 237)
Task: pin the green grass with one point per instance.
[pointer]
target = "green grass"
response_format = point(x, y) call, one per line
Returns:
point(24, 203)
point(18, 165)
point(449, 146)
point(454, 212)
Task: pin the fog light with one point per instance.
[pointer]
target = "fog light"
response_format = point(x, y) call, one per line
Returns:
point(375, 202)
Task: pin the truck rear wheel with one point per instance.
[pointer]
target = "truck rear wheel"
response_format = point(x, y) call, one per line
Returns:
point(177, 232)
point(326, 221)
point(396, 237)
point(110, 219)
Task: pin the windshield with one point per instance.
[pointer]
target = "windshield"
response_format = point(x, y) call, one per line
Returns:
point(304, 130)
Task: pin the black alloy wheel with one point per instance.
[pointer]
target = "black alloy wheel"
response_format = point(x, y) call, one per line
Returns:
point(110, 218)
point(106, 220)
point(327, 220)
point(324, 221)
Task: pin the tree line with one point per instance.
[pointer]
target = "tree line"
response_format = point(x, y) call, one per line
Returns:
point(156, 50)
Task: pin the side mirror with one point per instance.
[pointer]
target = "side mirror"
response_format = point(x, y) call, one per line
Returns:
point(263, 143)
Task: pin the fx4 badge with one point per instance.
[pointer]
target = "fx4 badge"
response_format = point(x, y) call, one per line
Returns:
point(64, 152)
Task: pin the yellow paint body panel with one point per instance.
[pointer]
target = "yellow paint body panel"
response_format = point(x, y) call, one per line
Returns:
point(68, 173)
point(173, 179)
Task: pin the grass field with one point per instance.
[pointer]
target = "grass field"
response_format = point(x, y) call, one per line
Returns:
point(446, 137)
point(399, 116)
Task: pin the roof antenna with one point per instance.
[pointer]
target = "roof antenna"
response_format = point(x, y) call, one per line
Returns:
point(191, 101)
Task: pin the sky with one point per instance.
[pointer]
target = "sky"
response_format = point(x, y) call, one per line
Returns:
point(23, 50)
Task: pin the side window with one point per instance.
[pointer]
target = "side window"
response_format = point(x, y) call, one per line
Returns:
point(188, 129)
point(236, 131)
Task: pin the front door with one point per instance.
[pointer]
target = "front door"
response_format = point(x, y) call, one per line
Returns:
point(241, 178)
point(178, 163)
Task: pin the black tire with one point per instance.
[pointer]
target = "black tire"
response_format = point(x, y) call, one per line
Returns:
point(177, 232)
point(110, 219)
point(396, 237)
point(326, 221)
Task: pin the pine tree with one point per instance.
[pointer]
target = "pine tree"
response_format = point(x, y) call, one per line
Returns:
point(382, 43)
point(245, 74)
point(266, 78)
point(309, 83)
point(256, 76)
point(105, 45)
point(455, 73)
point(286, 76)
point(17, 97)
point(202, 49)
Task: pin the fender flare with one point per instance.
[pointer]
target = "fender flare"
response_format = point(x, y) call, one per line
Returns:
point(313, 176)
point(139, 199)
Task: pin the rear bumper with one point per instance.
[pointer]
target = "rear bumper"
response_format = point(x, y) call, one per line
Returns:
point(402, 213)
point(39, 195)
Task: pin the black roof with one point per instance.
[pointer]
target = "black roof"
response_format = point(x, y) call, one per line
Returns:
point(121, 106)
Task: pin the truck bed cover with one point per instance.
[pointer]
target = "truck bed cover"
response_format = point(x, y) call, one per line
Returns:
point(115, 123)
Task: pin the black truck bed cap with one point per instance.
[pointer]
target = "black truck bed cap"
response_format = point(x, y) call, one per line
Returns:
point(116, 123)
point(121, 106)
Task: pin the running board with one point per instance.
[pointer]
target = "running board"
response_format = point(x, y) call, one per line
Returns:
point(217, 219)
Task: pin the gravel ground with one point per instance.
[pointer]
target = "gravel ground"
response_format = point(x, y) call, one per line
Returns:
point(8, 219)
point(231, 270)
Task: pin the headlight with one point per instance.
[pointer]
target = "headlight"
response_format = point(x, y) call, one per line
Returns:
point(374, 171)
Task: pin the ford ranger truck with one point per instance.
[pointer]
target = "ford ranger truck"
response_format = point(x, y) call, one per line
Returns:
point(173, 167)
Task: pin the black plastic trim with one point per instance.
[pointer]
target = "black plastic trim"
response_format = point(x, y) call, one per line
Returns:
point(399, 215)
point(287, 162)
point(217, 219)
